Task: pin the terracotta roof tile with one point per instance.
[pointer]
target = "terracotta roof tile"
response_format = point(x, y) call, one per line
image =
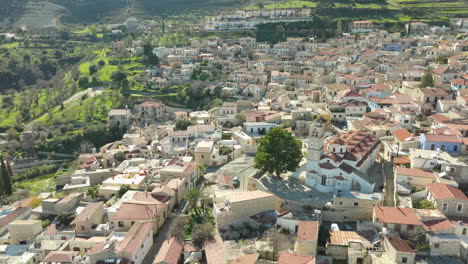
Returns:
point(60, 257)
point(344, 237)
point(170, 251)
point(290, 258)
point(87, 213)
point(437, 225)
point(246, 259)
point(401, 245)
point(441, 191)
point(135, 238)
point(307, 230)
point(415, 172)
point(13, 216)
point(442, 138)
point(403, 135)
point(395, 215)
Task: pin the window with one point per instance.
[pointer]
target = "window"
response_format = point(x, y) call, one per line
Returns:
point(459, 207)
point(324, 180)
point(444, 206)
point(356, 204)
point(120, 224)
point(442, 147)
point(202, 156)
point(432, 146)
point(464, 231)
point(404, 260)
point(436, 245)
point(83, 228)
point(410, 227)
point(455, 148)
point(63, 238)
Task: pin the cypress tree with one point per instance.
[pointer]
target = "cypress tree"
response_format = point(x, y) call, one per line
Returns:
point(5, 178)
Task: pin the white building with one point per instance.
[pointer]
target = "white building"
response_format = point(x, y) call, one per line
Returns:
point(341, 163)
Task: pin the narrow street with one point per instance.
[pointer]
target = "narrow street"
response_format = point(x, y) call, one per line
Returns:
point(389, 196)
point(161, 236)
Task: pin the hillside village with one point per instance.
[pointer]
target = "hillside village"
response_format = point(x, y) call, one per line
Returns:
point(382, 122)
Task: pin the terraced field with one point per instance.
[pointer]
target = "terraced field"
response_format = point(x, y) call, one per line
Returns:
point(40, 15)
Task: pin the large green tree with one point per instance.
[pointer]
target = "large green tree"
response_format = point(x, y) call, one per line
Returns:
point(192, 198)
point(427, 80)
point(278, 152)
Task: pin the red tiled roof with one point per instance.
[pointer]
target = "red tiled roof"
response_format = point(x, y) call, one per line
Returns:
point(403, 135)
point(290, 258)
point(135, 238)
point(307, 231)
point(406, 216)
point(441, 191)
point(401, 245)
point(51, 230)
point(442, 138)
point(12, 216)
point(96, 248)
point(246, 259)
point(440, 117)
point(137, 211)
point(401, 160)
point(60, 256)
point(170, 251)
point(437, 225)
point(87, 213)
point(359, 144)
point(344, 237)
point(414, 172)
point(214, 251)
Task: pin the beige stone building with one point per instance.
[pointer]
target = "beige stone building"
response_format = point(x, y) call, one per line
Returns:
point(141, 208)
point(24, 231)
point(92, 214)
point(203, 152)
point(449, 200)
point(237, 206)
point(119, 118)
point(398, 250)
point(306, 241)
point(349, 246)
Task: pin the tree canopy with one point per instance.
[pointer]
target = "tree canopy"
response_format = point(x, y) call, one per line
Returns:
point(427, 80)
point(278, 152)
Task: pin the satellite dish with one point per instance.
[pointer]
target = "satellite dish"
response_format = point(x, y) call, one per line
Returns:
point(384, 231)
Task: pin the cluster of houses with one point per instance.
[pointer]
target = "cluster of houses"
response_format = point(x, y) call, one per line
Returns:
point(249, 19)
point(385, 166)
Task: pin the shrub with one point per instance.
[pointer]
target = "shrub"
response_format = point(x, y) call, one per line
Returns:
point(45, 223)
point(422, 204)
